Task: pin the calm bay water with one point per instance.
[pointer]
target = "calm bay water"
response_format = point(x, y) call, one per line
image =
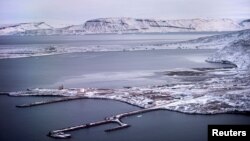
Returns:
point(100, 69)
point(103, 69)
point(103, 39)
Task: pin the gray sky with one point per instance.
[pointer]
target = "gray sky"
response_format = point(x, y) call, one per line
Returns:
point(78, 11)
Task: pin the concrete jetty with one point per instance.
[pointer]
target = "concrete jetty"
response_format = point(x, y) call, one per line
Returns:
point(61, 133)
point(50, 101)
point(64, 99)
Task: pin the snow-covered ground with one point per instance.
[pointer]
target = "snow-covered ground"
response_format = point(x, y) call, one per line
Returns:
point(237, 53)
point(127, 25)
point(219, 91)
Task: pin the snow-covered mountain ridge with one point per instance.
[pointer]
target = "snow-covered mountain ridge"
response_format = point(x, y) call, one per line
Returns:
point(23, 27)
point(127, 25)
point(151, 25)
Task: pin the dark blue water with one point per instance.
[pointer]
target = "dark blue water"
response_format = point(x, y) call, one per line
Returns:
point(32, 124)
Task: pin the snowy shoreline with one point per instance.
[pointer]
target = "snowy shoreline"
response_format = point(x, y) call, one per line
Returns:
point(28, 55)
point(217, 92)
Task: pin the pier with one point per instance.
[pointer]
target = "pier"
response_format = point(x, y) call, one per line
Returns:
point(50, 101)
point(61, 133)
point(64, 99)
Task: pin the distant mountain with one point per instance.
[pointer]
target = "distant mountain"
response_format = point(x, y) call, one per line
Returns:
point(22, 27)
point(113, 25)
point(127, 25)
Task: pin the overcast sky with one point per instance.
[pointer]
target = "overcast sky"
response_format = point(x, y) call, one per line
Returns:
point(78, 11)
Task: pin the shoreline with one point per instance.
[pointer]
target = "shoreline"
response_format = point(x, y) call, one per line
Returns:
point(66, 99)
point(196, 91)
point(146, 48)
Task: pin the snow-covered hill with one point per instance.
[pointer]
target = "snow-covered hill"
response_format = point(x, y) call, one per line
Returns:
point(234, 48)
point(22, 27)
point(237, 53)
point(211, 42)
point(111, 25)
point(127, 25)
